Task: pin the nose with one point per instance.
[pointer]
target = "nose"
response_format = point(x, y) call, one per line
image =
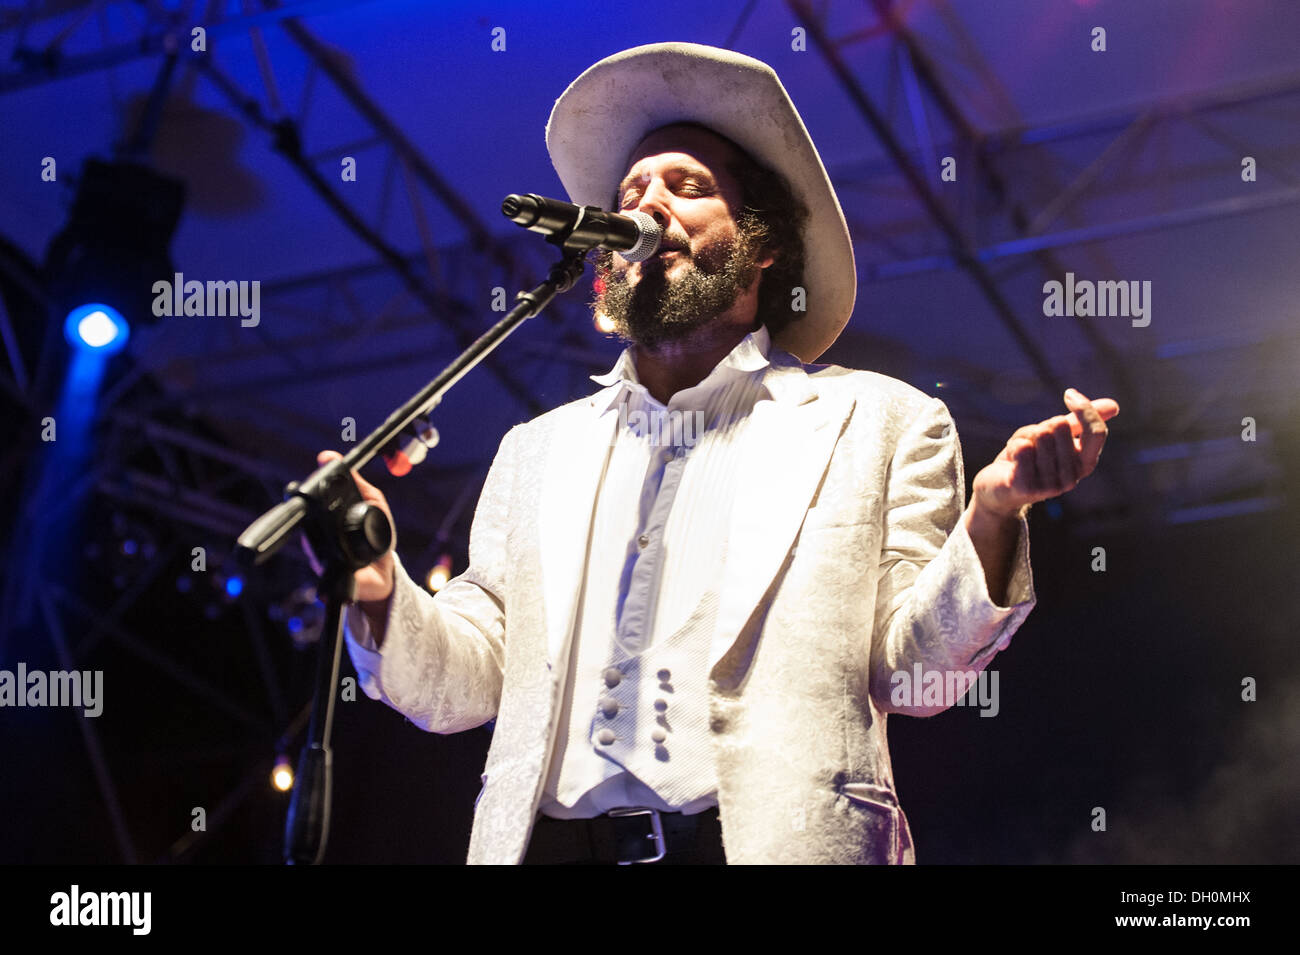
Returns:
point(654, 203)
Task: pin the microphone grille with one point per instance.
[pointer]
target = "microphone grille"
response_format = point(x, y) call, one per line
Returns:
point(651, 236)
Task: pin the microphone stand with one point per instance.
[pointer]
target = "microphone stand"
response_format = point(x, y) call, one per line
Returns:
point(346, 533)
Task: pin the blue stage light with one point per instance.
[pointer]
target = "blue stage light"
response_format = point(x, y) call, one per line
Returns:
point(97, 327)
point(234, 587)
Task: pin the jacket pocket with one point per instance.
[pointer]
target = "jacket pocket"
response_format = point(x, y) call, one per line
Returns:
point(883, 829)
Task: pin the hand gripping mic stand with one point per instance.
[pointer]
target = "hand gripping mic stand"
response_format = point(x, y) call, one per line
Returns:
point(346, 533)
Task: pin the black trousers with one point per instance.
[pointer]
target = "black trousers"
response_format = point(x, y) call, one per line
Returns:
point(689, 840)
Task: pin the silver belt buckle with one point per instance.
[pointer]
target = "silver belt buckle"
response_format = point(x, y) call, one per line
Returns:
point(656, 831)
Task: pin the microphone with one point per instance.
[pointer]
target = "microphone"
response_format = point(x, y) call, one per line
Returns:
point(635, 236)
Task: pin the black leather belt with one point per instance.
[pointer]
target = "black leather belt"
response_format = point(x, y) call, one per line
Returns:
point(627, 836)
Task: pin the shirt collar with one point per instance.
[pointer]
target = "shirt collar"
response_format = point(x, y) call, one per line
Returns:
point(750, 354)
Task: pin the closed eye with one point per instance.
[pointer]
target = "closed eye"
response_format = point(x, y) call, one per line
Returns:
point(688, 188)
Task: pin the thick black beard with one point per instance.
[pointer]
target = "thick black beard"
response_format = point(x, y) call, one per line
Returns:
point(656, 310)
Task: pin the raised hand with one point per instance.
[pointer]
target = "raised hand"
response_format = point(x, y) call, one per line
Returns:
point(374, 581)
point(1045, 459)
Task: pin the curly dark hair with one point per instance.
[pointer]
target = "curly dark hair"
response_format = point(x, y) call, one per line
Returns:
point(773, 217)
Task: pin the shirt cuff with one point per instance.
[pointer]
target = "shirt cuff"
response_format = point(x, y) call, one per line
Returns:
point(360, 638)
point(1020, 585)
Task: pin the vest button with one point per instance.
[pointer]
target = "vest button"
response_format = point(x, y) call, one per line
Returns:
point(664, 675)
point(661, 705)
point(643, 541)
point(613, 676)
point(658, 735)
point(606, 736)
point(609, 706)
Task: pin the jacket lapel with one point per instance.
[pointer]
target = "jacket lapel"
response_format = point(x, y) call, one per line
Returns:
point(574, 471)
point(788, 446)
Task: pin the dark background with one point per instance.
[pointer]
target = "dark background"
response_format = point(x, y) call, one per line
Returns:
point(1122, 689)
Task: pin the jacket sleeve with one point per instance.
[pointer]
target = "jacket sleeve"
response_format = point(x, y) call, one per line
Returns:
point(932, 601)
point(442, 656)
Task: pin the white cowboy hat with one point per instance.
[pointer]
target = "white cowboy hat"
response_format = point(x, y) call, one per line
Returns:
point(610, 108)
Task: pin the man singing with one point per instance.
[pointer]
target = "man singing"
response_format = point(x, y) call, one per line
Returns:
point(689, 636)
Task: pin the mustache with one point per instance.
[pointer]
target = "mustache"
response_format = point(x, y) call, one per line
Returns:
point(672, 242)
point(612, 274)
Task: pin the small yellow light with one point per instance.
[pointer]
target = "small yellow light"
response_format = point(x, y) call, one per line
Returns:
point(440, 574)
point(604, 323)
point(282, 775)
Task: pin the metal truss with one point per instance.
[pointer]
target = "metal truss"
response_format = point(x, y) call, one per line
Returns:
point(994, 215)
point(428, 277)
point(161, 32)
point(146, 460)
point(423, 277)
point(151, 30)
point(201, 489)
point(64, 612)
point(1127, 134)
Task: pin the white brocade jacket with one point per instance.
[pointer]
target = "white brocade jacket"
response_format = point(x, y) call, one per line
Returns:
point(847, 563)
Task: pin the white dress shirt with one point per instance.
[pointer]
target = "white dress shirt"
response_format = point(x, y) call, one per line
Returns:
point(654, 565)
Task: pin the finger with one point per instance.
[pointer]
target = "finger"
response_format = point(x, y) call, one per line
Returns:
point(368, 490)
point(1067, 456)
point(1017, 443)
point(1094, 428)
point(1106, 407)
point(1034, 431)
point(1071, 422)
point(1049, 476)
point(1023, 434)
point(1025, 457)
